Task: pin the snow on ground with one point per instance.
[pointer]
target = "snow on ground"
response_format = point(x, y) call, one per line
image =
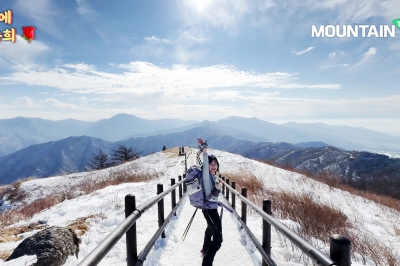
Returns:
point(21, 261)
point(107, 205)
point(370, 217)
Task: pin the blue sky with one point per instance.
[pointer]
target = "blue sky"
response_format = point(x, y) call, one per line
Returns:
point(197, 60)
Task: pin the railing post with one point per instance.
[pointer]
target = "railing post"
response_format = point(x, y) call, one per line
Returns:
point(223, 186)
point(185, 163)
point(233, 195)
point(180, 187)
point(184, 184)
point(244, 206)
point(131, 239)
point(340, 250)
point(266, 230)
point(160, 209)
point(227, 190)
point(173, 195)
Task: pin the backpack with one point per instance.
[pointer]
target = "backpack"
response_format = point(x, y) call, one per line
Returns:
point(195, 188)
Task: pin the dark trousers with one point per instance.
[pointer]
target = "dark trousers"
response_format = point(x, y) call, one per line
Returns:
point(214, 230)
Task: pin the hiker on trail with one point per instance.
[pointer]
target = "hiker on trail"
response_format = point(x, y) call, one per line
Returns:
point(210, 212)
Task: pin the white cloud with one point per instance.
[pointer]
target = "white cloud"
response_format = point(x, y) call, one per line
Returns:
point(81, 67)
point(58, 104)
point(155, 39)
point(43, 13)
point(142, 83)
point(186, 45)
point(21, 51)
point(276, 17)
point(25, 101)
point(337, 65)
point(366, 59)
point(143, 77)
point(189, 45)
point(305, 51)
point(332, 55)
point(353, 11)
point(83, 100)
point(153, 47)
point(84, 8)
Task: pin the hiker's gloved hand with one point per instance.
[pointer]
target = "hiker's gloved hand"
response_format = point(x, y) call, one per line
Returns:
point(202, 144)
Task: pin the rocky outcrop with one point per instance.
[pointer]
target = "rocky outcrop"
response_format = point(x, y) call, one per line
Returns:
point(52, 246)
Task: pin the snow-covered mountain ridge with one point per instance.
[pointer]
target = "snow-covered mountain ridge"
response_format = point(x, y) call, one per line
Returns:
point(378, 221)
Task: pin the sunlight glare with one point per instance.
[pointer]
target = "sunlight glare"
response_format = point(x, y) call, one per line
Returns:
point(200, 5)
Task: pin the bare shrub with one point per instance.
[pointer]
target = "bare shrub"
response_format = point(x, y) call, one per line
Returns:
point(373, 249)
point(40, 205)
point(26, 211)
point(114, 199)
point(131, 175)
point(380, 199)
point(331, 179)
point(245, 179)
point(81, 225)
point(315, 219)
point(86, 186)
point(10, 234)
point(13, 192)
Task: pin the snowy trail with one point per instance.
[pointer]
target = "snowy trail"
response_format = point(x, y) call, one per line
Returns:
point(173, 251)
point(105, 210)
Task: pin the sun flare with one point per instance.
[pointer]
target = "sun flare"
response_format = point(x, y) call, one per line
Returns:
point(200, 5)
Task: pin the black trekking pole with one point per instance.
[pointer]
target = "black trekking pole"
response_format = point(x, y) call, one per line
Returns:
point(188, 227)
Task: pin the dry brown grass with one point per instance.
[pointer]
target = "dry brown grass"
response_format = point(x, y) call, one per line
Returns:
point(373, 249)
point(315, 219)
point(13, 192)
point(245, 179)
point(81, 225)
point(396, 230)
point(172, 152)
point(87, 186)
point(10, 234)
point(26, 211)
point(337, 182)
point(4, 254)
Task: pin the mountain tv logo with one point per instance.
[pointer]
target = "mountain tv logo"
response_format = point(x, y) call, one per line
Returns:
point(364, 31)
point(396, 22)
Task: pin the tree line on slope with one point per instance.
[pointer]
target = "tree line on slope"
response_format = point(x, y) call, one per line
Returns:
point(122, 154)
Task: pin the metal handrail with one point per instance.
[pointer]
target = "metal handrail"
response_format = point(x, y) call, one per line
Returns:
point(143, 254)
point(255, 241)
point(315, 254)
point(96, 255)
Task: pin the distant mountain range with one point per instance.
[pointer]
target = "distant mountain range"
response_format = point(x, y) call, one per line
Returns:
point(365, 170)
point(21, 132)
point(41, 148)
point(72, 154)
point(64, 156)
